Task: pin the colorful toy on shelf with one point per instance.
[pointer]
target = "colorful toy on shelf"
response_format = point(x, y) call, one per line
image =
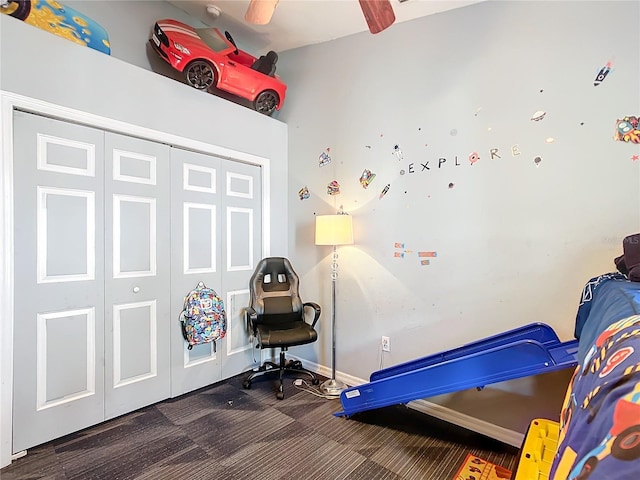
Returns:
point(60, 20)
point(207, 58)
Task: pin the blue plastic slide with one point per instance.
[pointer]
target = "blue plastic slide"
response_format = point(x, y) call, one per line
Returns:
point(524, 351)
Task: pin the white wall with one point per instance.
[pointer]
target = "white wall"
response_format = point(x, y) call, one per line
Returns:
point(515, 242)
point(54, 73)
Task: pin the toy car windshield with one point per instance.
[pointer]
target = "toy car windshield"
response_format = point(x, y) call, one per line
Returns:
point(212, 39)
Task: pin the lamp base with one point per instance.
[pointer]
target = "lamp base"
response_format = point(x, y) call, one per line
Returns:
point(332, 388)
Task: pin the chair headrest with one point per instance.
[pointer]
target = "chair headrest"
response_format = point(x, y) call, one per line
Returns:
point(274, 274)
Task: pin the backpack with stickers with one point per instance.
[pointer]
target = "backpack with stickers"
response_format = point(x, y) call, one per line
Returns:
point(203, 318)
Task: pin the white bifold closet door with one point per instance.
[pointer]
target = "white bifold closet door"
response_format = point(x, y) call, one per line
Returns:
point(216, 238)
point(92, 277)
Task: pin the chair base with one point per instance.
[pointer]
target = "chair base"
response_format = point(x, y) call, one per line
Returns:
point(285, 366)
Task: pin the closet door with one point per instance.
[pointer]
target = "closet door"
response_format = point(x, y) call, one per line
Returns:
point(241, 247)
point(137, 285)
point(59, 279)
point(195, 257)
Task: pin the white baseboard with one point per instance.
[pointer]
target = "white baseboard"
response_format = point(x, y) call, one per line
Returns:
point(496, 432)
point(470, 423)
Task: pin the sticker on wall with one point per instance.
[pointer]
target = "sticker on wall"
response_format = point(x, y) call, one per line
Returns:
point(425, 256)
point(333, 188)
point(324, 158)
point(451, 185)
point(397, 152)
point(539, 115)
point(366, 178)
point(634, 158)
point(515, 150)
point(602, 74)
point(537, 161)
point(400, 246)
point(473, 157)
point(303, 193)
point(384, 190)
point(627, 130)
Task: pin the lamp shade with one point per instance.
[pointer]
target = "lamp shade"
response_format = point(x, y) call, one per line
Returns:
point(334, 230)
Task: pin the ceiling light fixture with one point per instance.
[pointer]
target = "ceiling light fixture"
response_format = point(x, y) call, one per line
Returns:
point(213, 11)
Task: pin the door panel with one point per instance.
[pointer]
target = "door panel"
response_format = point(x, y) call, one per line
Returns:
point(59, 272)
point(195, 254)
point(137, 281)
point(242, 246)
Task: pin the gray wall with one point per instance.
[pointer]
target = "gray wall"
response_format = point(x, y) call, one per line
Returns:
point(515, 241)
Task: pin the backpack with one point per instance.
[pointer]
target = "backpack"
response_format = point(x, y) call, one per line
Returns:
point(203, 318)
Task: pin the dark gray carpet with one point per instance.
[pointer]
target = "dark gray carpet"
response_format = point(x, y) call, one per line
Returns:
point(228, 433)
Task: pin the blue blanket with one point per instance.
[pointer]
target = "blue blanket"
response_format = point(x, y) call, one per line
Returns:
point(605, 299)
point(600, 418)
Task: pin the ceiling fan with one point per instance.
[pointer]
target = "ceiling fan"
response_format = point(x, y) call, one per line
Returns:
point(378, 13)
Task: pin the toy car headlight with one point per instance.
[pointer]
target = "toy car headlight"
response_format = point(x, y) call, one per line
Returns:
point(181, 49)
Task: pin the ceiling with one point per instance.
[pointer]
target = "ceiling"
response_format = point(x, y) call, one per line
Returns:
point(297, 23)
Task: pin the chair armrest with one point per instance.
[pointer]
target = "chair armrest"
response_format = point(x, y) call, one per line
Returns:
point(316, 309)
point(252, 318)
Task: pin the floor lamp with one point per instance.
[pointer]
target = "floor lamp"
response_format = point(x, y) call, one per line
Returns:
point(333, 230)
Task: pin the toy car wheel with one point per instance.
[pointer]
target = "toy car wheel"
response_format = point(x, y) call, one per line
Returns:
point(200, 74)
point(266, 102)
point(627, 444)
point(587, 469)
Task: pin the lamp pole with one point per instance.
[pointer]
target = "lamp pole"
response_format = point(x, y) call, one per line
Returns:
point(332, 387)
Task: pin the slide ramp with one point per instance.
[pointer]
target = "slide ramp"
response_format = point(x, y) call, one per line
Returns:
point(529, 350)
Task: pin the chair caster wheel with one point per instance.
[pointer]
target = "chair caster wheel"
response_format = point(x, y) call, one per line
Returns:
point(315, 381)
point(246, 384)
point(280, 395)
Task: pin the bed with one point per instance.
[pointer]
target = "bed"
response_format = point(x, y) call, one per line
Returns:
point(599, 435)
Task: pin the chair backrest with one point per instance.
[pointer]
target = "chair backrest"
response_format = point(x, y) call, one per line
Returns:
point(273, 292)
point(266, 63)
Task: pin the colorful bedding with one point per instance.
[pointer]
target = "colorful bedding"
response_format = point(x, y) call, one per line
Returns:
point(600, 418)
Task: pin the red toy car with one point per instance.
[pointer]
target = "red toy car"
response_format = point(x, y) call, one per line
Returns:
point(208, 58)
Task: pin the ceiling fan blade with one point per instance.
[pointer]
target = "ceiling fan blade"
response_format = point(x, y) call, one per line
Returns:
point(260, 11)
point(378, 14)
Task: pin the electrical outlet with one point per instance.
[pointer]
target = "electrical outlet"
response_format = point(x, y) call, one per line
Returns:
point(385, 344)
